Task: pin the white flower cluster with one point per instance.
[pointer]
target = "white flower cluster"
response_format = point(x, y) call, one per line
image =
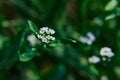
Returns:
point(106, 54)
point(87, 40)
point(45, 34)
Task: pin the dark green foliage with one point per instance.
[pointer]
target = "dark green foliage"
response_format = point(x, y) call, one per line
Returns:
point(25, 57)
point(33, 27)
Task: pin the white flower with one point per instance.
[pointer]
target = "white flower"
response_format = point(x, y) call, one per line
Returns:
point(91, 36)
point(94, 59)
point(44, 40)
point(45, 34)
point(32, 39)
point(104, 77)
point(83, 39)
point(87, 40)
point(98, 21)
point(51, 31)
point(106, 51)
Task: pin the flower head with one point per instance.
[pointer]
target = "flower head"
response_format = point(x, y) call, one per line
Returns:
point(89, 39)
point(94, 59)
point(106, 51)
point(45, 34)
point(91, 36)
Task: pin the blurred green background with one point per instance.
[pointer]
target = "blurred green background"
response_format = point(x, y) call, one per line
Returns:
point(70, 19)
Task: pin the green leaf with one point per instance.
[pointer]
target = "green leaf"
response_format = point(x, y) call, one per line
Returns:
point(118, 11)
point(27, 56)
point(56, 43)
point(111, 16)
point(94, 70)
point(24, 57)
point(61, 42)
point(111, 5)
point(33, 27)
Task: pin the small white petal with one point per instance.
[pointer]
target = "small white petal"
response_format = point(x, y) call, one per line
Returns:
point(94, 59)
point(39, 36)
point(53, 38)
point(111, 54)
point(89, 42)
point(44, 28)
point(91, 36)
point(83, 39)
point(42, 31)
point(44, 40)
point(51, 31)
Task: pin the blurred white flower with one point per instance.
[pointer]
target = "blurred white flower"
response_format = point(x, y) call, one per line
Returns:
point(32, 39)
point(98, 21)
point(94, 59)
point(104, 77)
point(45, 34)
point(106, 51)
point(87, 40)
point(91, 36)
point(83, 39)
